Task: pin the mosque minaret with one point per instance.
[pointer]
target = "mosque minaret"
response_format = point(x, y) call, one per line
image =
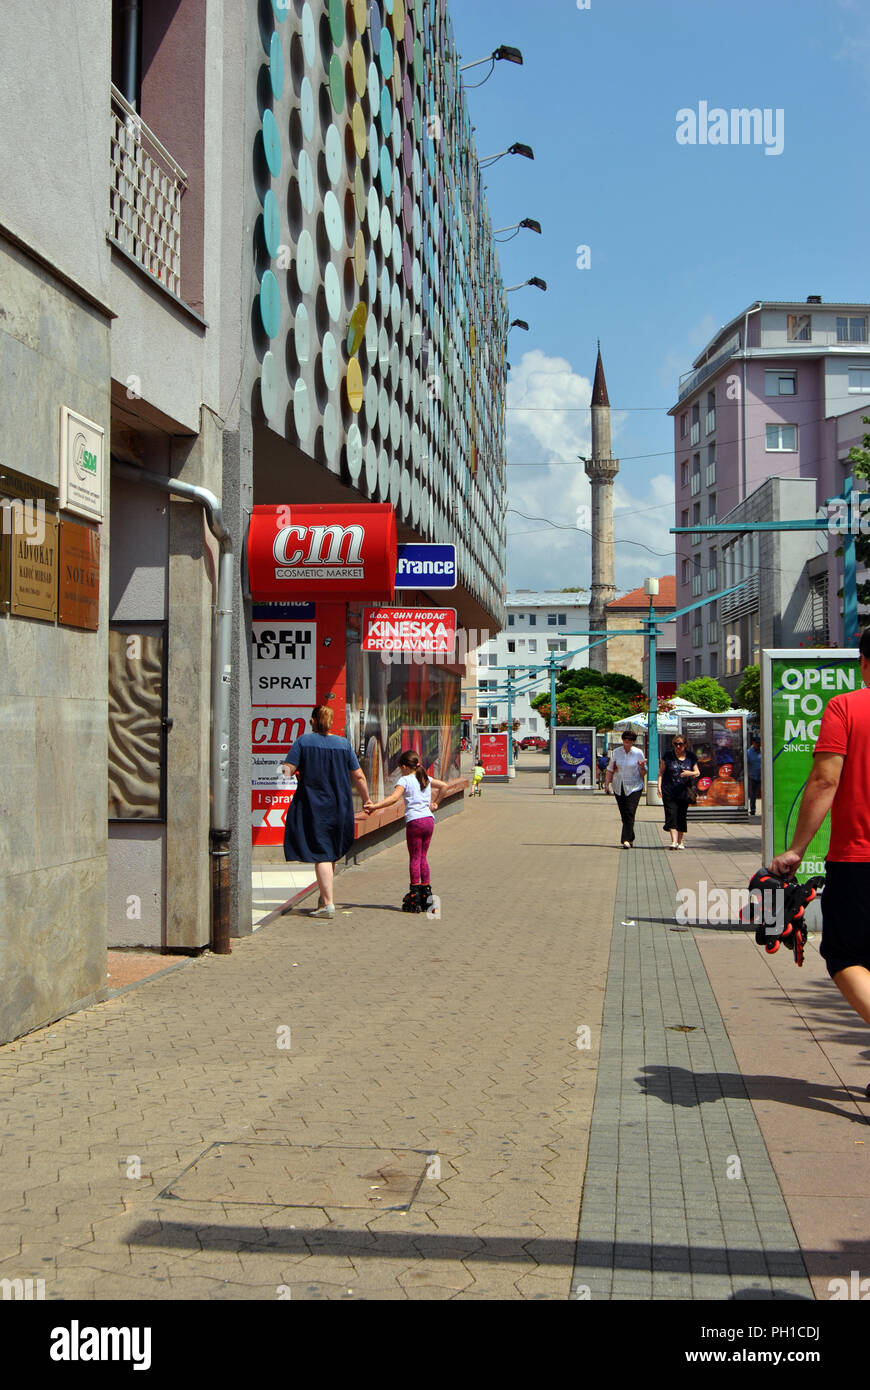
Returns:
point(601, 470)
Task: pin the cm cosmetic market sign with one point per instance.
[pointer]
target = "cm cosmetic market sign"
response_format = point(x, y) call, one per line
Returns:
point(796, 687)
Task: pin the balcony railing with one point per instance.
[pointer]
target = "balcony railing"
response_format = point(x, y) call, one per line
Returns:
point(145, 196)
point(694, 379)
point(745, 600)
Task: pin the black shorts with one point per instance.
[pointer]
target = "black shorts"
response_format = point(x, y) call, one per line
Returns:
point(845, 916)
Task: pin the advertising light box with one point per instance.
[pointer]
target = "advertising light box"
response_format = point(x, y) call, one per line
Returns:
point(796, 686)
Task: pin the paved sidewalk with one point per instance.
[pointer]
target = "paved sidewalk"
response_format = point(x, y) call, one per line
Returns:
point(695, 1211)
point(446, 1050)
point(394, 1107)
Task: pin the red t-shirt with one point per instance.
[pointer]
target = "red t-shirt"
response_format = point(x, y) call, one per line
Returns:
point(846, 729)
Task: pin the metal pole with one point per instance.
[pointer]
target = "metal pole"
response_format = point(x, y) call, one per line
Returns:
point(512, 772)
point(552, 660)
point(850, 589)
point(652, 797)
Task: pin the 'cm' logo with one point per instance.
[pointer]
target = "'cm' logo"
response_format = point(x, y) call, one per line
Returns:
point(337, 535)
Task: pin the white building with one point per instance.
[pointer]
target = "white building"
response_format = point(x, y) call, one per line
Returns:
point(537, 625)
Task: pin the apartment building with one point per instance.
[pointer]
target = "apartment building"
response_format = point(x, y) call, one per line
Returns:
point(537, 625)
point(778, 393)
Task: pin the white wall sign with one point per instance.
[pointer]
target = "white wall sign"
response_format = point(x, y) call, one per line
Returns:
point(81, 465)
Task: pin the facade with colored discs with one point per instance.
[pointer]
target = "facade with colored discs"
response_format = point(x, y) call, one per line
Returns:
point(254, 397)
point(376, 375)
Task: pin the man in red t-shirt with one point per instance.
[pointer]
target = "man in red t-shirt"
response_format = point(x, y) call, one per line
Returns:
point(840, 783)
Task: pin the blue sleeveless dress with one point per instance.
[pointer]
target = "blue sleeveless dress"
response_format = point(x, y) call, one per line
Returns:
point(319, 826)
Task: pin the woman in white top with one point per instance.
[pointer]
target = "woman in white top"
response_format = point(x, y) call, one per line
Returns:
point(628, 769)
point(415, 785)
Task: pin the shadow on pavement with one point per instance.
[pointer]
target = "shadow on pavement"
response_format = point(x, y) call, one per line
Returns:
point(681, 1087)
point(471, 1249)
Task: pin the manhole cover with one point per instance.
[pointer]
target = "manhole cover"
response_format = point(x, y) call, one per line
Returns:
point(297, 1175)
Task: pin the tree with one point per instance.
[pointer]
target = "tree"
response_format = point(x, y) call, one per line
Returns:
point(705, 692)
point(593, 705)
point(613, 682)
point(748, 693)
point(580, 680)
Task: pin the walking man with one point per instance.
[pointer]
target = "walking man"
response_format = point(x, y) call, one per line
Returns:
point(839, 783)
point(628, 769)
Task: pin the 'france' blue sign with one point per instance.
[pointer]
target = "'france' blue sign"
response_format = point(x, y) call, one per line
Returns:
point(426, 567)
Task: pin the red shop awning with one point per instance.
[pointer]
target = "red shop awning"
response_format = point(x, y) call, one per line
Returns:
point(302, 553)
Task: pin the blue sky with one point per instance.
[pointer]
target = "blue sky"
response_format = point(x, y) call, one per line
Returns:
point(681, 237)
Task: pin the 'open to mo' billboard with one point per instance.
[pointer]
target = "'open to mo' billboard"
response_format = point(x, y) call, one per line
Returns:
point(796, 686)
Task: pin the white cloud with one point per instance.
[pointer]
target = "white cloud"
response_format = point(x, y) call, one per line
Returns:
point(547, 480)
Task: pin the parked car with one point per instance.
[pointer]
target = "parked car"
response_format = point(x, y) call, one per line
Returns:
point(528, 742)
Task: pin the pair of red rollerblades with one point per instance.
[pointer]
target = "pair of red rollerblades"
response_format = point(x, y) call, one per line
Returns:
point(777, 908)
point(419, 898)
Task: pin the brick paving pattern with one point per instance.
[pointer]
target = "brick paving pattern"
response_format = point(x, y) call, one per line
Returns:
point(454, 1038)
point(672, 1119)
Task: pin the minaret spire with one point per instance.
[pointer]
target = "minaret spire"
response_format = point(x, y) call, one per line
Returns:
point(601, 470)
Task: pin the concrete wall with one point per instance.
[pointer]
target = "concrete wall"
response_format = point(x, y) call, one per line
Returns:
point(54, 156)
point(54, 351)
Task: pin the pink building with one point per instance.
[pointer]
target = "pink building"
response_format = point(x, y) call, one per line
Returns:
point(762, 428)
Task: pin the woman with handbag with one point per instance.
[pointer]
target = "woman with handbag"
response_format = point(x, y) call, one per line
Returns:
point(678, 774)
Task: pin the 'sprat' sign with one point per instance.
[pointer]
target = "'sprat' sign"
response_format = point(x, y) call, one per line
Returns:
point(427, 630)
point(321, 552)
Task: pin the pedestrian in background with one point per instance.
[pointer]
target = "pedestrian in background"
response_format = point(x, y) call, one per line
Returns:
point(753, 767)
point(678, 772)
point(320, 822)
point(628, 770)
point(476, 779)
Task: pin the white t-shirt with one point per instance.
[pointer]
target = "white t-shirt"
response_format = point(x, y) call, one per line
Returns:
point(418, 800)
point(626, 765)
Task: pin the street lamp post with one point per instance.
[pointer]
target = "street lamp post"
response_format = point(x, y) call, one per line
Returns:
point(651, 588)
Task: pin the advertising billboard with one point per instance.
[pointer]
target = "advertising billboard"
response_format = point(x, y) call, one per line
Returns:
point(796, 686)
point(718, 744)
point(494, 755)
point(573, 759)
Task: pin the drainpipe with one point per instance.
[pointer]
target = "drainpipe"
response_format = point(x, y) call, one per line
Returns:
point(131, 31)
point(221, 672)
point(753, 310)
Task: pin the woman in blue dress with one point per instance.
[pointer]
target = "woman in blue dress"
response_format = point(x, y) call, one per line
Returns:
point(320, 821)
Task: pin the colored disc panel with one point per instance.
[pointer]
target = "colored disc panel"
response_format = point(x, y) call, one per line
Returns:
point(354, 385)
point(270, 304)
point(271, 143)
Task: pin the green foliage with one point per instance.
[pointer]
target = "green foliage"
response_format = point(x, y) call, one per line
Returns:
point(580, 680)
point(748, 693)
point(613, 683)
point(590, 705)
point(705, 692)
